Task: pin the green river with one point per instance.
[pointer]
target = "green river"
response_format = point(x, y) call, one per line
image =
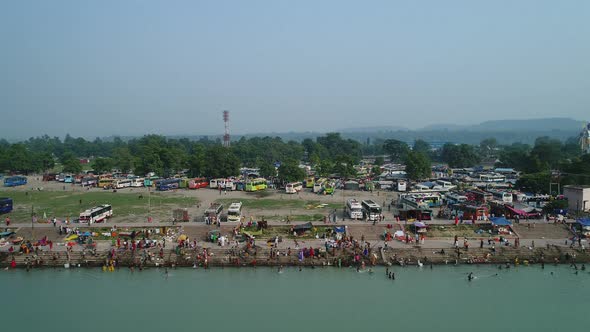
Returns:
point(525, 298)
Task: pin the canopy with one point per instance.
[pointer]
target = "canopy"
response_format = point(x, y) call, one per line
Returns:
point(520, 212)
point(6, 234)
point(500, 221)
point(182, 237)
point(340, 229)
point(419, 224)
point(584, 222)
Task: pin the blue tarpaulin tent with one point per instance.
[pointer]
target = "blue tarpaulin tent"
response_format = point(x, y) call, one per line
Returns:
point(585, 222)
point(500, 221)
point(339, 229)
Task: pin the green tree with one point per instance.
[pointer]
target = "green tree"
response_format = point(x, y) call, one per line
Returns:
point(103, 165)
point(488, 147)
point(422, 147)
point(266, 169)
point(549, 152)
point(72, 165)
point(123, 159)
point(379, 161)
point(19, 158)
point(197, 160)
point(418, 166)
point(46, 161)
point(221, 162)
point(289, 171)
point(537, 183)
point(397, 150)
point(459, 156)
point(344, 166)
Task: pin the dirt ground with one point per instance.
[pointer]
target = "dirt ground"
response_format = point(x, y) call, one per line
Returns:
point(207, 196)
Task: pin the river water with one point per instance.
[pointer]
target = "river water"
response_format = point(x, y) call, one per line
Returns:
point(330, 299)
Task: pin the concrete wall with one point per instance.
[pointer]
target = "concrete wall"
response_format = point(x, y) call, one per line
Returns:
point(578, 198)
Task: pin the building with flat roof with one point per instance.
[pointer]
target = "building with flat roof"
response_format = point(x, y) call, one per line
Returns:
point(578, 198)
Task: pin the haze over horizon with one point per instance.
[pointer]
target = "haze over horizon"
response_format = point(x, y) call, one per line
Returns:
point(134, 67)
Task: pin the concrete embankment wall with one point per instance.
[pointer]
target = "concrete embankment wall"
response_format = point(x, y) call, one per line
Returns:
point(262, 257)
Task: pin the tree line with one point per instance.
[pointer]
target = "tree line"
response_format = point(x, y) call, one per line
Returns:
point(547, 160)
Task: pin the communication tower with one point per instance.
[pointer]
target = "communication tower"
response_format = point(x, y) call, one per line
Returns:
point(226, 132)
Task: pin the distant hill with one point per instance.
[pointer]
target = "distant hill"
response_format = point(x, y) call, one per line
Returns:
point(549, 124)
point(371, 129)
point(565, 124)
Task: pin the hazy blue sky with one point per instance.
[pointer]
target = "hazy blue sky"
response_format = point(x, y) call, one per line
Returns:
point(93, 68)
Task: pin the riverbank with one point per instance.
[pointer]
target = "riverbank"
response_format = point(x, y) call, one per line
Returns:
point(264, 256)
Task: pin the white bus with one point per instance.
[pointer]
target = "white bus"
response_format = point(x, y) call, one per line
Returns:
point(354, 209)
point(401, 185)
point(503, 196)
point(318, 185)
point(445, 184)
point(216, 183)
point(96, 214)
point(293, 188)
point(137, 182)
point(234, 212)
point(122, 183)
point(371, 210)
point(455, 198)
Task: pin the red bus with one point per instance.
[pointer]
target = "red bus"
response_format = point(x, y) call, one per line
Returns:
point(197, 183)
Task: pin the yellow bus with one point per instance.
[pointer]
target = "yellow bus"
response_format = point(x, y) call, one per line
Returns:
point(106, 183)
point(256, 184)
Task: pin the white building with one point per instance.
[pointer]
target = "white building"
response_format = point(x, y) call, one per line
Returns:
point(578, 198)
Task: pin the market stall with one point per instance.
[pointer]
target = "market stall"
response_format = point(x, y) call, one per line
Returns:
point(501, 225)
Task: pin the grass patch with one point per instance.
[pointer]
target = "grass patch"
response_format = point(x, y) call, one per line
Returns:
point(70, 204)
point(282, 204)
point(452, 230)
point(285, 232)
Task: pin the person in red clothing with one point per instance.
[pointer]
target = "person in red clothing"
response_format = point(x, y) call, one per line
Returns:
point(7, 221)
point(13, 263)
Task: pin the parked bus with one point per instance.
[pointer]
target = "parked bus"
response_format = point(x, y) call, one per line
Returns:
point(96, 214)
point(371, 210)
point(69, 178)
point(502, 196)
point(167, 184)
point(137, 182)
point(5, 205)
point(214, 212)
point(445, 184)
point(309, 182)
point(198, 183)
point(454, 198)
point(479, 196)
point(122, 183)
point(216, 183)
point(150, 181)
point(329, 187)
point(293, 188)
point(106, 183)
point(14, 181)
point(256, 184)
point(354, 209)
point(49, 177)
point(468, 212)
point(318, 186)
point(89, 181)
point(401, 185)
point(234, 212)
